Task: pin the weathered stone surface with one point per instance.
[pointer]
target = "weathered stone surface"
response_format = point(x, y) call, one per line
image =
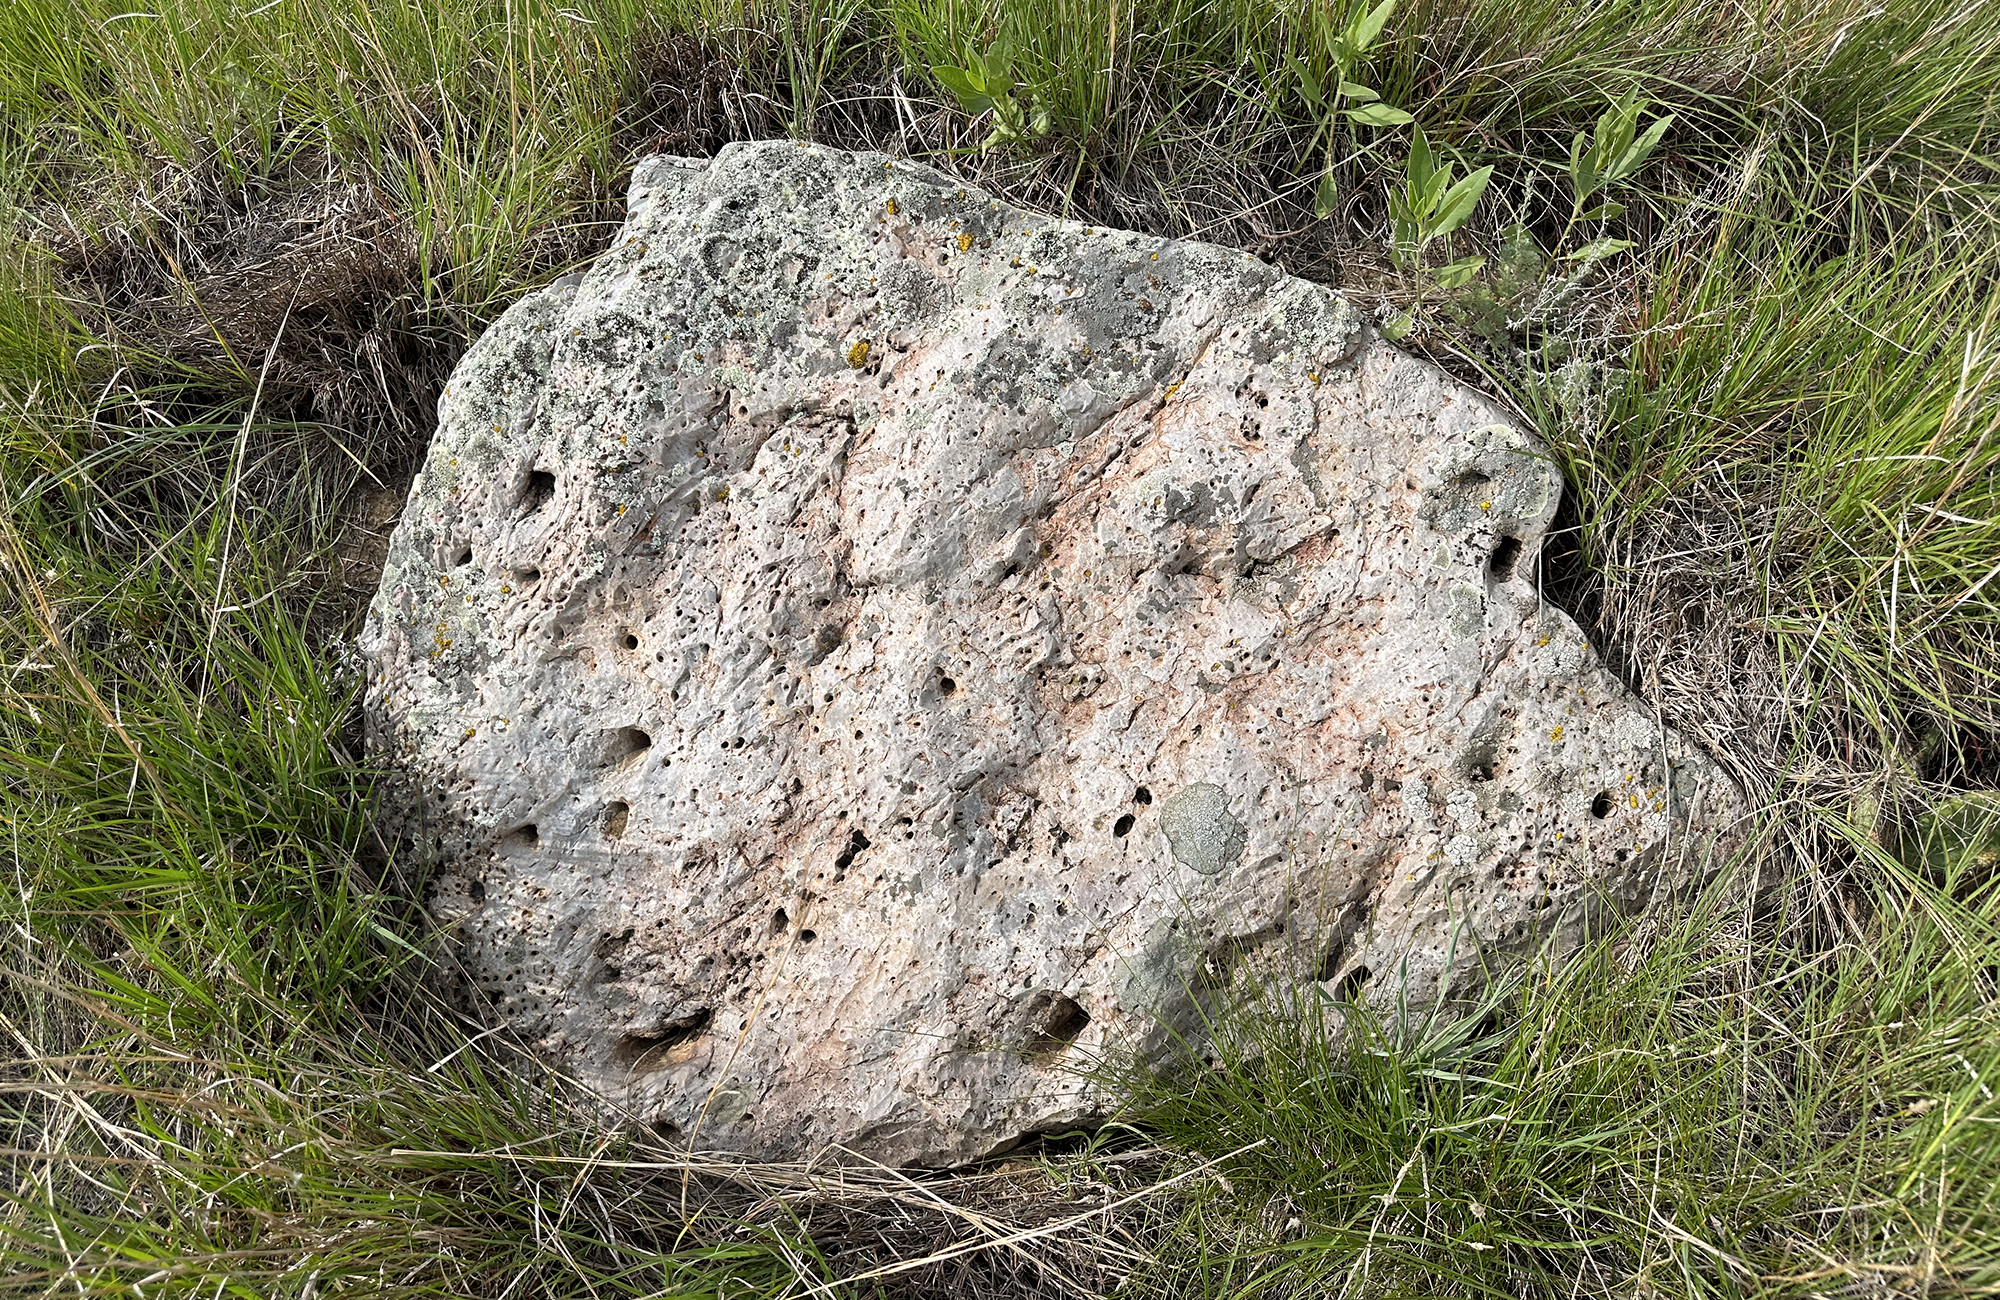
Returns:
point(864, 646)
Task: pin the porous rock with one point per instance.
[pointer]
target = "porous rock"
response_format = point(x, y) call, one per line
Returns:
point(862, 649)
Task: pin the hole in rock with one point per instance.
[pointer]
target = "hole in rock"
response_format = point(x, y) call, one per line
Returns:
point(1142, 795)
point(522, 577)
point(946, 686)
point(1600, 807)
point(522, 837)
point(1473, 478)
point(807, 936)
point(1123, 826)
point(1351, 984)
point(617, 815)
point(1054, 1021)
point(1504, 556)
point(649, 1051)
point(780, 921)
point(478, 891)
point(856, 842)
point(461, 557)
point(625, 743)
point(629, 641)
point(538, 491)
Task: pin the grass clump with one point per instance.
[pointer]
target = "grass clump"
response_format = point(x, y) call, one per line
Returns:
point(245, 245)
point(1728, 1106)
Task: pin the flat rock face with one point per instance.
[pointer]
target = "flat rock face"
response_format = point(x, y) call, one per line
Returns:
point(865, 649)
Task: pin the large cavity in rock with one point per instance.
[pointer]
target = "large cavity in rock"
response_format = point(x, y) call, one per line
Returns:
point(863, 648)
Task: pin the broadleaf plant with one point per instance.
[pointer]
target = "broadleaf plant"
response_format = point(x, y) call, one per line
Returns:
point(986, 85)
point(1339, 98)
point(1431, 206)
point(1608, 156)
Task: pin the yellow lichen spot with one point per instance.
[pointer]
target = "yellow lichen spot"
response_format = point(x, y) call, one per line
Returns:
point(857, 356)
point(1556, 734)
point(1173, 388)
point(890, 207)
point(506, 590)
point(445, 581)
point(1635, 801)
point(1034, 271)
point(1156, 257)
point(965, 243)
point(496, 428)
point(1485, 505)
point(470, 732)
point(1313, 375)
point(621, 440)
point(722, 493)
point(1544, 641)
point(621, 510)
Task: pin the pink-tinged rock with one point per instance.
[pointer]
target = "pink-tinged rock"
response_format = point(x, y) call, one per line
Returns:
point(865, 648)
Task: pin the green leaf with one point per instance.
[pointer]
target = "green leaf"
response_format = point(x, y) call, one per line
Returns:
point(1459, 201)
point(1597, 250)
point(1603, 211)
point(1614, 127)
point(1582, 167)
point(1308, 81)
point(972, 96)
point(1398, 326)
point(1327, 196)
point(1635, 154)
point(1420, 165)
point(1453, 274)
point(1362, 33)
point(1354, 90)
point(999, 72)
point(1379, 115)
point(1440, 181)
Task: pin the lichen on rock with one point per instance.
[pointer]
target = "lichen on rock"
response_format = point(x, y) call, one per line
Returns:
point(862, 648)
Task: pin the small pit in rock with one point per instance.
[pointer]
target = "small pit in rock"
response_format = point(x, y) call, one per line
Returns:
point(625, 745)
point(538, 491)
point(652, 1051)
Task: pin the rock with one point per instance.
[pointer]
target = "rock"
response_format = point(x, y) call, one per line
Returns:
point(862, 649)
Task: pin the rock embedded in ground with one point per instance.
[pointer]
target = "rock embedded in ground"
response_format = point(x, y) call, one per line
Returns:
point(862, 649)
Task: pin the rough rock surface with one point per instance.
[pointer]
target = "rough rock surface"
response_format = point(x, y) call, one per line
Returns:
point(863, 648)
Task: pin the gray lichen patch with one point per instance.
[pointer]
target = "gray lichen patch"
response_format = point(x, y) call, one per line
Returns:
point(861, 647)
point(1197, 824)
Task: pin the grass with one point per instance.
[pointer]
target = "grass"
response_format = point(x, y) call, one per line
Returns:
point(246, 244)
